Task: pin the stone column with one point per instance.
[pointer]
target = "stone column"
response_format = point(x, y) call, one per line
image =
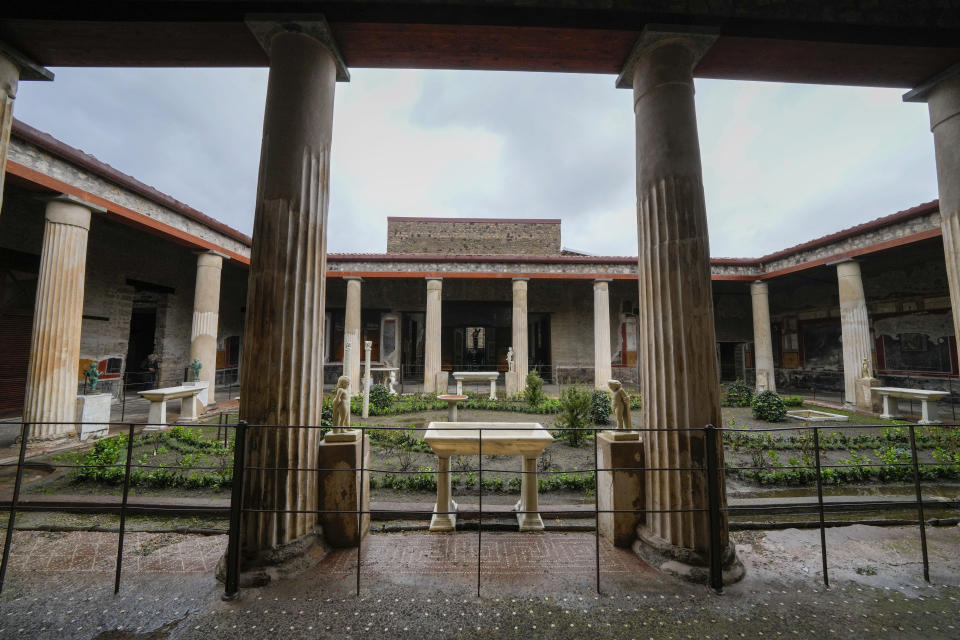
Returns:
point(601, 334)
point(351, 333)
point(431, 347)
point(206, 318)
point(282, 380)
point(51, 394)
point(942, 95)
point(855, 329)
point(9, 79)
point(762, 342)
point(677, 342)
point(519, 335)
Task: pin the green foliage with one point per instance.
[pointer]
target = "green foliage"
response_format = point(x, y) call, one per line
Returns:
point(768, 406)
point(533, 393)
point(326, 412)
point(576, 405)
point(380, 399)
point(739, 394)
point(636, 402)
point(600, 409)
point(792, 401)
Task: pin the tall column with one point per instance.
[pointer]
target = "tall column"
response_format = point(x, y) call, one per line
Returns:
point(942, 96)
point(521, 349)
point(431, 347)
point(282, 382)
point(351, 333)
point(206, 318)
point(762, 341)
point(854, 328)
point(51, 394)
point(678, 367)
point(601, 334)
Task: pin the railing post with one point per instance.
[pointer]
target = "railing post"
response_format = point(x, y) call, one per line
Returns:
point(713, 498)
point(232, 582)
point(363, 455)
point(920, 517)
point(24, 432)
point(823, 531)
point(596, 507)
point(123, 508)
point(480, 506)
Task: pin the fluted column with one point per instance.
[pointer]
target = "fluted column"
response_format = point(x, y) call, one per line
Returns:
point(762, 341)
point(51, 394)
point(854, 328)
point(521, 349)
point(431, 347)
point(943, 101)
point(676, 328)
point(9, 79)
point(206, 318)
point(601, 334)
point(351, 334)
point(282, 380)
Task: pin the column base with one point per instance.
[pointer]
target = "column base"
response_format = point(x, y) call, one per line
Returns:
point(341, 488)
point(444, 522)
point(685, 563)
point(268, 565)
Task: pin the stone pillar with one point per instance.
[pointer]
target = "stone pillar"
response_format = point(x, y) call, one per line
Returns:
point(942, 96)
point(855, 329)
point(677, 342)
point(762, 342)
point(351, 333)
point(431, 347)
point(9, 79)
point(51, 394)
point(601, 334)
point(282, 380)
point(206, 318)
point(519, 335)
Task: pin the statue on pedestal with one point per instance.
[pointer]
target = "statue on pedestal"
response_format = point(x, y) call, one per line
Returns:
point(620, 402)
point(509, 358)
point(341, 405)
point(92, 375)
point(195, 366)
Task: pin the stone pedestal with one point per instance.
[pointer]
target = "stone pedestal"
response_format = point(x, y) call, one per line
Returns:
point(854, 327)
point(341, 490)
point(431, 345)
point(442, 381)
point(94, 410)
point(602, 370)
point(620, 489)
point(762, 341)
point(206, 319)
point(513, 386)
point(867, 401)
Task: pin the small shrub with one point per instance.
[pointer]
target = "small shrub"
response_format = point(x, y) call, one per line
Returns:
point(380, 399)
point(600, 408)
point(534, 391)
point(768, 406)
point(575, 414)
point(636, 402)
point(739, 394)
point(792, 401)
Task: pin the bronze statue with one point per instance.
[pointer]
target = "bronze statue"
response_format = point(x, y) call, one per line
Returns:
point(620, 402)
point(93, 375)
point(196, 365)
point(341, 405)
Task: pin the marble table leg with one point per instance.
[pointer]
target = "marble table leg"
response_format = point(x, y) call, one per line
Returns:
point(924, 413)
point(444, 521)
point(529, 500)
point(493, 389)
point(886, 407)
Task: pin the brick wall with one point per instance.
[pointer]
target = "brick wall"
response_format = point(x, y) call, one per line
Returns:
point(473, 237)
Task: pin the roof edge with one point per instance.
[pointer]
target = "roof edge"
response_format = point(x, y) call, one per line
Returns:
point(498, 220)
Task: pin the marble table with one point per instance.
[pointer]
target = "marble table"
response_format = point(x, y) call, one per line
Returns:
point(452, 402)
point(922, 395)
point(524, 439)
point(474, 376)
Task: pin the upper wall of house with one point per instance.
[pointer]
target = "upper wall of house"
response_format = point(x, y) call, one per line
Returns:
point(473, 236)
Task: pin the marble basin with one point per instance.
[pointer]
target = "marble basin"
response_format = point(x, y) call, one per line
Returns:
point(527, 439)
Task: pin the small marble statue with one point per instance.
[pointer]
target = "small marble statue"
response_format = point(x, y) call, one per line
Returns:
point(621, 404)
point(92, 374)
point(865, 369)
point(392, 382)
point(341, 405)
point(509, 358)
point(195, 366)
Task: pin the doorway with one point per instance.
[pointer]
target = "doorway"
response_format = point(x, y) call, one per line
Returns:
point(143, 330)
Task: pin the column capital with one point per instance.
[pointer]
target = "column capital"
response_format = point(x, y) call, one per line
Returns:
point(599, 280)
point(66, 198)
point(696, 38)
point(520, 279)
point(922, 91)
point(211, 259)
point(758, 285)
point(69, 210)
point(27, 68)
point(348, 278)
point(434, 278)
point(265, 27)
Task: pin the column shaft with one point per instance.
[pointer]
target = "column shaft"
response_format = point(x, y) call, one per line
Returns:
point(351, 333)
point(9, 78)
point(854, 328)
point(601, 334)
point(281, 383)
point(762, 341)
point(51, 394)
point(431, 347)
point(519, 335)
point(676, 327)
point(206, 318)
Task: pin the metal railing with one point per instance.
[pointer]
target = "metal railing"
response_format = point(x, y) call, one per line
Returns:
point(708, 468)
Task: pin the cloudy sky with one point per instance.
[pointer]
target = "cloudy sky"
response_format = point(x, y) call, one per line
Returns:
point(782, 163)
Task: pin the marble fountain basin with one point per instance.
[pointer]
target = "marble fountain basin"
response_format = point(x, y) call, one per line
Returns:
point(527, 439)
